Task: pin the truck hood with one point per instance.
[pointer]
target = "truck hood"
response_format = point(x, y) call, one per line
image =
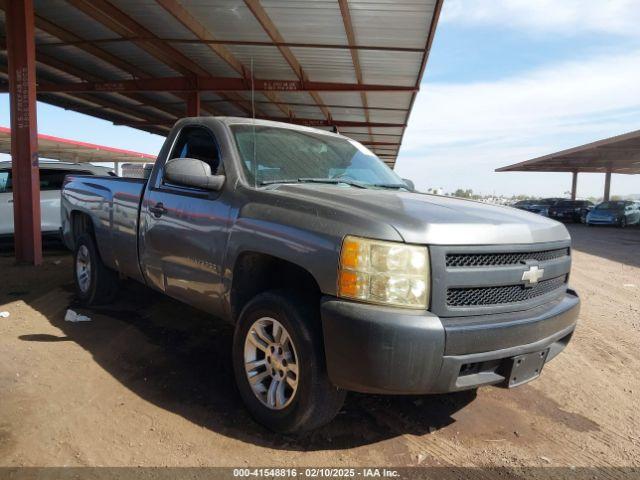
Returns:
point(432, 219)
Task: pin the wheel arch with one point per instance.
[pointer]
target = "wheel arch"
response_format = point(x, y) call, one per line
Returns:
point(255, 272)
point(81, 223)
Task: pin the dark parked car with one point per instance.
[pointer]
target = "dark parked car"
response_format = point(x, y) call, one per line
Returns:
point(539, 206)
point(620, 213)
point(524, 204)
point(570, 210)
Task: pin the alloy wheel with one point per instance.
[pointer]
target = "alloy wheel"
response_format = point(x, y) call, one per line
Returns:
point(83, 268)
point(271, 363)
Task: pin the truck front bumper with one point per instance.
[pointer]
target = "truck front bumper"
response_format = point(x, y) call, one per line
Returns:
point(376, 349)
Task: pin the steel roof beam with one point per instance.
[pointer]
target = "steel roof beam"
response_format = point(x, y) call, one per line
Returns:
point(355, 56)
point(92, 77)
point(267, 24)
point(302, 104)
point(97, 103)
point(182, 15)
point(119, 22)
point(218, 84)
point(103, 55)
point(309, 122)
point(248, 43)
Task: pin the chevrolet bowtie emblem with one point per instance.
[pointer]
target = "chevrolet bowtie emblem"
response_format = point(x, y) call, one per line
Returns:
point(533, 275)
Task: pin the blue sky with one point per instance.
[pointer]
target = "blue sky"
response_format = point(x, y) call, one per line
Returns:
point(510, 80)
point(507, 80)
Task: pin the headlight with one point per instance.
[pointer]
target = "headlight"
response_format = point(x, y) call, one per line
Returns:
point(390, 273)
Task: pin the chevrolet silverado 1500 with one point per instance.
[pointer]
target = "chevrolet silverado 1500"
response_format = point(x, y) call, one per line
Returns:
point(336, 274)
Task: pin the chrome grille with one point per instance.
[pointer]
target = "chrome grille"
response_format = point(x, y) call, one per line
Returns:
point(454, 260)
point(464, 297)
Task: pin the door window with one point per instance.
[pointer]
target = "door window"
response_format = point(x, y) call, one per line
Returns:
point(198, 143)
point(5, 181)
point(52, 179)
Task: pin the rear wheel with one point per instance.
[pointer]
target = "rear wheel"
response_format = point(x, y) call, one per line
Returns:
point(279, 364)
point(95, 283)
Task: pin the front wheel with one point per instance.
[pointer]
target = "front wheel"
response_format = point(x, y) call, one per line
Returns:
point(623, 222)
point(279, 364)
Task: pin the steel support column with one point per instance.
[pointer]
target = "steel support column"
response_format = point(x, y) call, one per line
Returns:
point(574, 185)
point(607, 186)
point(24, 132)
point(193, 104)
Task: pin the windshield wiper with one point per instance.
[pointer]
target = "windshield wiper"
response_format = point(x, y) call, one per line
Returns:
point(334, 181)
point(282, 180)
point(390, 185)
point(331, 181)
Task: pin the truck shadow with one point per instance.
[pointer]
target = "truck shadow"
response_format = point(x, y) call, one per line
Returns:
point(180, 360)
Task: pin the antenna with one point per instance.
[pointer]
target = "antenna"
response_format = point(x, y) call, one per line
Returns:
point(254, 166)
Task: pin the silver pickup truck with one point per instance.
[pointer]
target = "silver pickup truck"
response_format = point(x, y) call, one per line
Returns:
point(336, 274)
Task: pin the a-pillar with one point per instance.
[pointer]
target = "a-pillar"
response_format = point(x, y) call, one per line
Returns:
point(24, 131)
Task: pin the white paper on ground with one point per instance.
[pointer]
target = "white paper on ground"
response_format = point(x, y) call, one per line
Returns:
point(72, 316)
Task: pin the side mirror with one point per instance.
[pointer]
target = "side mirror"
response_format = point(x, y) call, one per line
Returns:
point(191, 172)
point(410, 185)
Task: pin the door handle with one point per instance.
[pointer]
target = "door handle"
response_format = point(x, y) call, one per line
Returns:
point(158, 210)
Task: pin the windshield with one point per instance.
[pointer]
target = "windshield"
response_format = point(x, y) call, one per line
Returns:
point(286, 155)
point(611, 205)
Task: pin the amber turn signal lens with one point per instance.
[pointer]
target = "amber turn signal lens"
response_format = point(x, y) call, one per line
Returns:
point(348, 283)
point(350, 250)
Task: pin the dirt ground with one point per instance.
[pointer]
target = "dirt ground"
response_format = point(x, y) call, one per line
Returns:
point(148, 382)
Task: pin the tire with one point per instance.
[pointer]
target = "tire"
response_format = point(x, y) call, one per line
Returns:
point(315, 400)
point(623, 222)
point(95, 283)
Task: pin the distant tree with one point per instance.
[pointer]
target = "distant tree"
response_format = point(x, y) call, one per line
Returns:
point(468, 193)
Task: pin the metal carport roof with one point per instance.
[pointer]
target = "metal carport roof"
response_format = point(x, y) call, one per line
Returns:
point(351, 64)
point(57, 148)
point(619, 154)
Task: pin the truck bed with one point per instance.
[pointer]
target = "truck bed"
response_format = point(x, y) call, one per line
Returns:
point(114, 204)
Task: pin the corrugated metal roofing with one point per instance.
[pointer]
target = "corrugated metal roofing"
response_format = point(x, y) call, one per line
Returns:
point(354, 43)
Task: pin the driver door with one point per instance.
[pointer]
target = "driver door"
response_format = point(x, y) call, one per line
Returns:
point(183, 229)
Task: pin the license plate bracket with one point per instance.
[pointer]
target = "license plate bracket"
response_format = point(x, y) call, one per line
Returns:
point(526, 367)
